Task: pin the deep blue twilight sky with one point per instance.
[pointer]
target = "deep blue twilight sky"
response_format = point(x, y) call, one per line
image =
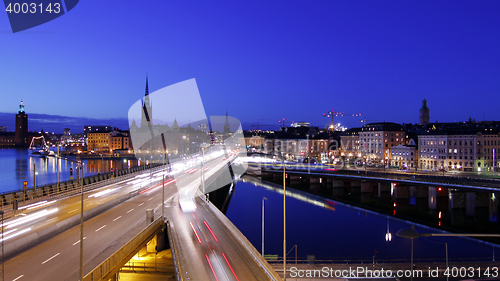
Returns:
point(261, 60)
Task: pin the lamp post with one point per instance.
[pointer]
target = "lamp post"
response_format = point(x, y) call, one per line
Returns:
point(284, 222)
point(3, 266)
point(34, 180)
point(81, 223)
point(263, 198)
point(411, 233)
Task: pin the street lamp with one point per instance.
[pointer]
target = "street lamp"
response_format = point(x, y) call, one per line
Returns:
point(263, 198)
point(3, 266)
point(284, 221)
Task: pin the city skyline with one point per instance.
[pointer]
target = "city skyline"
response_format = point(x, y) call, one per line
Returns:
point(262, 61)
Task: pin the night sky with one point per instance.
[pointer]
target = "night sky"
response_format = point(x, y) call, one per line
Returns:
point(261, 60)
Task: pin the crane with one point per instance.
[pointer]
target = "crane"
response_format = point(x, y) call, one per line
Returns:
point(333, 113)
point(260, 125)
point(366, 120)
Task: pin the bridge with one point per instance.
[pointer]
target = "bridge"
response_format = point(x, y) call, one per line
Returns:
point(42, 242)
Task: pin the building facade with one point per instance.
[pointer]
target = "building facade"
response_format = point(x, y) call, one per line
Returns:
point(376, 140)
point(405, 156)
point(461, 151)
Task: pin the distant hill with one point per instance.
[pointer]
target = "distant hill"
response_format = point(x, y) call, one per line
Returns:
point(57, 123)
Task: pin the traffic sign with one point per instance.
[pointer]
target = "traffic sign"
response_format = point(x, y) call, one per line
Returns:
point(25, 183)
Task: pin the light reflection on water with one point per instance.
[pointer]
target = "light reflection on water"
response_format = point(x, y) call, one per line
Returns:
point(18, 165)
point(332, 230)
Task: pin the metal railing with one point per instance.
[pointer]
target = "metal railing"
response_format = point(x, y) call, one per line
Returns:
point(270, 272)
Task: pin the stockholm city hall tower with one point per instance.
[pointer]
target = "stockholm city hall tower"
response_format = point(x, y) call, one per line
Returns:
point(21, 135)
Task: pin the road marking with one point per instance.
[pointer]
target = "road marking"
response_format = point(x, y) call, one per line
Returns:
point(51, 258)
point(141, 204)
point(100, 228)
point(150, 199)
point(130, 211)
point(78, 241)
point(18, 278)
point(73, 211)
point(117, 218)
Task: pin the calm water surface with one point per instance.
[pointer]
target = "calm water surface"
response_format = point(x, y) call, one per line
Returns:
point(332, 230)
point(18, 165)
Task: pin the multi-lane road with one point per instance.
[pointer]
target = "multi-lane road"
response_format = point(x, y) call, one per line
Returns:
point(208, 248)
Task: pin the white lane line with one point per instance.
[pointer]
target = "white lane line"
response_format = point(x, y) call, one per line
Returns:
point(130, 211)
point(100, 228)
point(150, 199)
point(73, 211)
point(78, 241)
point(117, 218)
point(18, 278)
point(51, 258)
point(141, 204)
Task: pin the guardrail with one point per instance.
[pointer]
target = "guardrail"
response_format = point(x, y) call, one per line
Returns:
point(270, 272)
point(465, 182)
point(175, 253)
point(111, 265)
point(67, 188)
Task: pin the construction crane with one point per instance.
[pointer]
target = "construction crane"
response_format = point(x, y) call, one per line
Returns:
point(260, 125)
point(333, 113)
point(366, 120)
point(282, 123)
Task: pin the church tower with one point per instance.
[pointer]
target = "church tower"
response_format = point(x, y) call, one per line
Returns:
point(147, 110)
point(21, 136)
point(227, 129)
point(424, 113)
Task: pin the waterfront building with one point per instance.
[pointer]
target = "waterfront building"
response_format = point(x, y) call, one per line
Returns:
point(405, 156)
point(21, 137)
point(119, 140)
point(467, 148)
point(98, 142)
point(349, 144)
point(376, 140)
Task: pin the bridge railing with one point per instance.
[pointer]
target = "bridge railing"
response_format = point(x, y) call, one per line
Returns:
point(66, 188)
point(434, 179)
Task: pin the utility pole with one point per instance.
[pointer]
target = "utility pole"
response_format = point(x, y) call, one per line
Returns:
point(284, 221)
point(34, 180)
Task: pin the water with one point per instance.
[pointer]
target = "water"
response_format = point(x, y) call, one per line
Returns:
point(339, 231)
point(17, 166)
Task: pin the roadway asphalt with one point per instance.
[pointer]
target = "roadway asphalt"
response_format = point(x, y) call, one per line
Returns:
point(58, 258)
point(207, 250)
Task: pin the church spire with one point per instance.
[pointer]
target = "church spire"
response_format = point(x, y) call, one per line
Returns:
point(147, 87)
point(227, 128)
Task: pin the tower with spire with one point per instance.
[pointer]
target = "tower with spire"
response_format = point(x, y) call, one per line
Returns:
point(227, 129)
point(21, 135)
point(147, 109)
point(424, 113)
